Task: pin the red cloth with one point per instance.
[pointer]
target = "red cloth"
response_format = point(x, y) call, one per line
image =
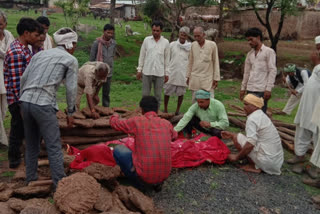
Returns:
point(151, 155)
point(185, 153)
point(15, 63)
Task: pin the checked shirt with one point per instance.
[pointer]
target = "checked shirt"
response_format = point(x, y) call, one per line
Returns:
point(16, 60)
point(152, 153)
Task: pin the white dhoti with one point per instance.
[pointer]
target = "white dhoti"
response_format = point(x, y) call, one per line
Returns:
point(270, 165)
point(315, 158)
point(293, 101)
point(302, 140)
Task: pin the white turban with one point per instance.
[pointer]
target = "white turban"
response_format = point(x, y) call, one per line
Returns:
point(317, 40)
point(65, 39)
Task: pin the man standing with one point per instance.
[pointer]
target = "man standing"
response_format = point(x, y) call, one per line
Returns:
point(150, 161)
point(296, 80)
point(260, 68)
point(262, 143)
point(45, 23)
point(207, 115)
point(305, 130)
point(154, 62)
point(203, 69)
point(103, 50)
point(179, 53)
point(16, 60)
point(90, 79)
point(5, 40)
point(39, 85)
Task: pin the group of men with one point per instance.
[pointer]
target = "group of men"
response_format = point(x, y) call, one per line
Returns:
point(33, 74)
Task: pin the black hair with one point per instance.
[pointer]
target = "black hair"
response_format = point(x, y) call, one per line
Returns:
point(149, 103)
point(28, 24)
point(64, 31)
point(43, 20)
point(254, 32)
point(157, 24)
point(108, 27)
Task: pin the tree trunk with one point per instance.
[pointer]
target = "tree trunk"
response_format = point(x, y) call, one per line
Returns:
point(112, 11)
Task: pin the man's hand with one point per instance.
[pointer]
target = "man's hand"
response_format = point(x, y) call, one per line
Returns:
point(205, 124)
point(227, 135)
point(294, 92)
point(242, 93)
point(214, 84)
point(70, 120)
point(139, 75)
point(267, 95)
point(166, 78)
point(95, 115)
point(96, 99)
point(284, 80)
point(232, 157)
point(187, 81)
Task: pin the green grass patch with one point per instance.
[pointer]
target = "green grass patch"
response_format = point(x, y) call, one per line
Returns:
point(8, 174)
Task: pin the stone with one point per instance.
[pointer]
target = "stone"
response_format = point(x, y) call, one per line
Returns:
point(77, 193)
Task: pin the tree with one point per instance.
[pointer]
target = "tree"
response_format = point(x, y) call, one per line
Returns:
point(286, 7)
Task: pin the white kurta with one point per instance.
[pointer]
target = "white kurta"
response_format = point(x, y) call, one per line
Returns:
point(4, 45)
point(315, 158)
point(177, 71)
point(47, 44)
point(267, 153)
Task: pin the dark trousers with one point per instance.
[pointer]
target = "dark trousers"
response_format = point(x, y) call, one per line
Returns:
point(16, 135)
point(106, 92)
point(41, 121)
point(260, 94)
point(195, 123)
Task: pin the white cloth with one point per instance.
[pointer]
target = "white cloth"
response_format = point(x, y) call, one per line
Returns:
point(308, 101)
point(177, 71)
point(154, 57)
point(315, 158)
point(317, 40)
point(300, 86)
point(4, 45)
point(47, 44)
point(302, 140)
point(292, 102)
point(65, 39)
point(267, 153)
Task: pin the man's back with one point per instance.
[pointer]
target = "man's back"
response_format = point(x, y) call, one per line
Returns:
point(152, 151)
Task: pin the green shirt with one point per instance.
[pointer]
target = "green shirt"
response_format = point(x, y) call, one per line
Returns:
point(215, 114)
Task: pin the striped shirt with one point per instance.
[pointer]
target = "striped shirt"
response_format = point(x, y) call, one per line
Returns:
point(47, 69)
point(152, 149)
point(16, 60)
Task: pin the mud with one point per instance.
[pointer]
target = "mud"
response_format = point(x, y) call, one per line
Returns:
point(135, 200)
point(77, 193)
point(120, 110)
point(3, 186)
point(87, 112)
point(103, 172)
point(6, 194)
point(105, 111)
point(101, 122)
point(79, 115)
point(104, 202)
point(29, 191)
point(61, 115)
point(88, 123)
point(5, 209)
point(91, 132)
point(35, 205)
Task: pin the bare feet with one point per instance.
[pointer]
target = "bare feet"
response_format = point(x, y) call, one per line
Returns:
point(250, 168)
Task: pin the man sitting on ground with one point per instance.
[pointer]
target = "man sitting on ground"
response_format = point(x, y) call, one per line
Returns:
point(207, 115)
point(262, 143)
point(150, 161)
point(90, 79)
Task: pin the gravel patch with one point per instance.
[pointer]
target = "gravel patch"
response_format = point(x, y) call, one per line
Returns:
point(227, 189)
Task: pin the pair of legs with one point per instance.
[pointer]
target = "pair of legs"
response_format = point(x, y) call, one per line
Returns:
point(106, 92)
point(16, 135)
point(195, 123)
point(293, 101)
point(170, 90)
point(260, 94)
point(123, 157)
point(41, 121)
point(157, 82)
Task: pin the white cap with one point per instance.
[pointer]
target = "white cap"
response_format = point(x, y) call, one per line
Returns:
point(317, 40)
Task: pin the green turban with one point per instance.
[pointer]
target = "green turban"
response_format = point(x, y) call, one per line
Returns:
point(290, 68)
point(202, 94)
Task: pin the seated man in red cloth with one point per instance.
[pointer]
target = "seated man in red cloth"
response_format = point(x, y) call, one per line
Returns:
point(150, 160)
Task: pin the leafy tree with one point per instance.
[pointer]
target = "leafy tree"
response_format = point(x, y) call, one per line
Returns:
point(73, 10)
point(286, 8)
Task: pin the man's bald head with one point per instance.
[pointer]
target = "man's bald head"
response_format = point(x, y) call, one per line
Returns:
point(199, 35)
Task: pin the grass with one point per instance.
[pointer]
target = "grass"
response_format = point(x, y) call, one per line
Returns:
point(8, 174)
